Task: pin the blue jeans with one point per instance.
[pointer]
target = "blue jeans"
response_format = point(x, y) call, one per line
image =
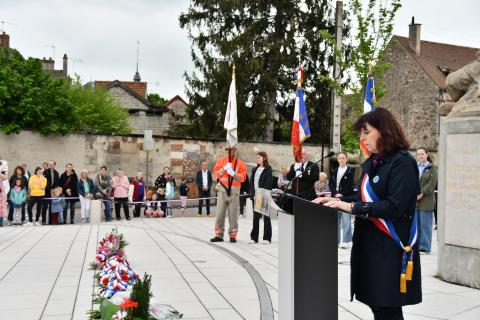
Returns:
point(425, 223)
point(106, 203)
point(345, 221)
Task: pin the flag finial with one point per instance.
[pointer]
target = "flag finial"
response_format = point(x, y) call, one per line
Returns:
point(370, 67)
point(300, 76)
point(233, 70)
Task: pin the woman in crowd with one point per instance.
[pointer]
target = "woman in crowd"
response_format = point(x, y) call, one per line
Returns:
point(36, 186)
point(321, 186)
point(385, 266)
point(4, 189)
point(19, 173)
point(341, 185)
point(139, 193)
point(86, 190)
point(261, 177)
point(161, 183)
point(69, 184)
point(428, 173)
point(121, 186)
point(282, 179)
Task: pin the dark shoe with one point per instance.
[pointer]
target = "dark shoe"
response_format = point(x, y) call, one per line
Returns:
point(64, 222)
point(118, 219)
point(72, 222)
point(233, 240)
point(216, 239)
point(128, 218)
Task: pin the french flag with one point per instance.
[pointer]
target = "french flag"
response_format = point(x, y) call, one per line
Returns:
point(368, 105)
point(300, 127)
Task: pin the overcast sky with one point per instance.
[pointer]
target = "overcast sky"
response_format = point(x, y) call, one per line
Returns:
point(100, 37)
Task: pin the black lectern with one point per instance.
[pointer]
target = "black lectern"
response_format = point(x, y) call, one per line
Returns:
point(308, 262)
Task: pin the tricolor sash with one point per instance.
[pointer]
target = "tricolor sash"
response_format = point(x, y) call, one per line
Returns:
point(386, 225)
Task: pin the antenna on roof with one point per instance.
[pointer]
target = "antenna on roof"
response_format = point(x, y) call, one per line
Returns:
point(137, 77)
point(3, 22)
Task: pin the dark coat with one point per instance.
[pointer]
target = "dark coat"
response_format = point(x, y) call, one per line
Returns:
point(69, 182)
point(376, 260)
point(81, 187)
point(345, 188)
point(428, 182)
point(306, 183)
point(161, 182)
point(199, 179)
point(265, 181)
point(51, 184)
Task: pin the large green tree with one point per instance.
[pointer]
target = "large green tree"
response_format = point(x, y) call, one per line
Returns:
point(31, 99)
point(267, 41)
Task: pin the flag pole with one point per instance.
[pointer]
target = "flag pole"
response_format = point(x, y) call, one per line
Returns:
point(299, 87)
point(230, 179)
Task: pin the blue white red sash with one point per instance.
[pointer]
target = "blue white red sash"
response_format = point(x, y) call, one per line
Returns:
point(386, 225)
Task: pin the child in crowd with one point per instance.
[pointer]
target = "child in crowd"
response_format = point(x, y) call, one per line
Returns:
point(153, 207)
point(163, 205)
point(57, 206)
point(18, 198)
point(183, 194)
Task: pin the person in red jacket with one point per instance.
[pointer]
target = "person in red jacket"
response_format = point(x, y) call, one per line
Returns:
point(139, 193)
point(230, 172)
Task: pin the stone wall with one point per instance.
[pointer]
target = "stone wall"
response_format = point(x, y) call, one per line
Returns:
point(125, 99)
point(412, 96)
point(183, 156)
point(140, 121)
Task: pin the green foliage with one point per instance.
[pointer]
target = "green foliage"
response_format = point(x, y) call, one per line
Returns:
point(373, 22)
point(155, 100)
point(267, 41)
point(108, 309)
point(141, 293)
point(31, 99)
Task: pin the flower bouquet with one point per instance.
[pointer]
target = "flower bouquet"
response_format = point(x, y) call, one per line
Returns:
point(121, 294)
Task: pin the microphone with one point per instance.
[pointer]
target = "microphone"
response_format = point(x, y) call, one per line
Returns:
point(330, 154)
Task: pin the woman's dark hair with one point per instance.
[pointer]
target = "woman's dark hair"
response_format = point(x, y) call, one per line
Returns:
point(263, 154)
point(21, 182)
point(392, 136)
point(36, 169)
point(429, 159)
point(19, 168)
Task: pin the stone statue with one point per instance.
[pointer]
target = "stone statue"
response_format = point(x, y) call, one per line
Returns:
point(463, 86)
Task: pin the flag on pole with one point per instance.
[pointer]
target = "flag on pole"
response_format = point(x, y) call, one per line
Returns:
point(300, 127)
point(230, 122)
point(368, 105)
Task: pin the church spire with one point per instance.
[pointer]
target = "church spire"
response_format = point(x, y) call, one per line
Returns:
point(137, 77)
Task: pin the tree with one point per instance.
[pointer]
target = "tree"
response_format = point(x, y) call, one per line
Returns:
point(267, 41)
point(155, 100)
point(31, 99)
point(373, 25)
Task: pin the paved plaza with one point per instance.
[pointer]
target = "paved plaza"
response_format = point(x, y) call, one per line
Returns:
point(44, 273)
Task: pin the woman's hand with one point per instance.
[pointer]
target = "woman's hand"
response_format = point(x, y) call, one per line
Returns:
point(419, 197)
point(321, 200)
point(340, 205)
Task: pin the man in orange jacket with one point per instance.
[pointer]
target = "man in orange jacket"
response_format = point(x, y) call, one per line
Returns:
point(230, 172)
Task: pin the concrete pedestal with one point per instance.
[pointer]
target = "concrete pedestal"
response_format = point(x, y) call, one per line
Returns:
point(96, 211)
point(459, 201)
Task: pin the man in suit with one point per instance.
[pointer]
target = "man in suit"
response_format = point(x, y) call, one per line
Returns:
point(341, 185)
point(204, 184)
point(53, 179)
point(308, 174)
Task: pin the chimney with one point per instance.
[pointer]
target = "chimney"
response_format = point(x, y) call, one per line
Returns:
point(48, 64)
point(4, 40)
point(65, 64)
point(414, 36)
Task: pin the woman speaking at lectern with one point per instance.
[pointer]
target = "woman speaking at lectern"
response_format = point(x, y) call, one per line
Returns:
point(385, 262)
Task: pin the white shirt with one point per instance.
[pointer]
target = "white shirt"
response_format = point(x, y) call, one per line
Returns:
point(341, 171)
point(258, 173)
point(205, 178)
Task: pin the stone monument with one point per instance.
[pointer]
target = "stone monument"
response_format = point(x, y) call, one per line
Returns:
point(459, 179)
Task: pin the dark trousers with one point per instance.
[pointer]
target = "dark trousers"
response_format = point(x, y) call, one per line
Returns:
point(137, 210)
point(69, 204)
point(10, 212)
point(47, 207)
point(243, 202)
point(31, 202)
point(118, 203)
point(204, 194)
point(267, 227)
point(387, 313)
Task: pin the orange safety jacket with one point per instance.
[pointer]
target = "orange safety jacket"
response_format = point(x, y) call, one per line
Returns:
point(223, 179)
